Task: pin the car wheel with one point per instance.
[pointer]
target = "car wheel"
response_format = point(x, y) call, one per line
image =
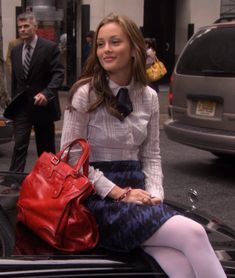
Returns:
point(7, 238)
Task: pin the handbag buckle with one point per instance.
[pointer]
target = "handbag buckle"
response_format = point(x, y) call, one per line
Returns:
point(74, 174)
point(55, 160)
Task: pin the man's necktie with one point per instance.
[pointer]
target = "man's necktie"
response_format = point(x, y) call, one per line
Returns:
point(27, 59)
point(124, 104)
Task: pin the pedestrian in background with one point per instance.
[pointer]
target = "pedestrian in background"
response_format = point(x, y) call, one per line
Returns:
point(36, 77)
point(63, 57)
point(114, 109)
point(11, 45)
point(151, 48)
point(88, 44)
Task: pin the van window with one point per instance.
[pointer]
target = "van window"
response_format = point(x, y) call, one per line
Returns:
point(210, 52)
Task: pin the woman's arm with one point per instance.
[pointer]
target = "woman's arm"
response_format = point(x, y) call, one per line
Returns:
point(151, 57)
point(75, 125)
point(150, 152)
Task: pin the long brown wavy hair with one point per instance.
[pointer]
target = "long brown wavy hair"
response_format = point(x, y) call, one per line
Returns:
point(96, 76)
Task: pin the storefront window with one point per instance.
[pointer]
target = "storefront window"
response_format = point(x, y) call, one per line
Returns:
point(53, 24)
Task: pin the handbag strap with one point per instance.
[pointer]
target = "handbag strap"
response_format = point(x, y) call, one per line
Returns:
point(83, 161)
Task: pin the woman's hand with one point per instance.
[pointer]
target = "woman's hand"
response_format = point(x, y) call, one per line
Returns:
point(137, 196)
point(155, 200)
point(130, 195)
point(140, 196)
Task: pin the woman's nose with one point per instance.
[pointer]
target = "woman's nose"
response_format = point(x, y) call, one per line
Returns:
point(107, 47)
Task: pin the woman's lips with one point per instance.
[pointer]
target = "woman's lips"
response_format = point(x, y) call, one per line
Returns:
point(108, 59)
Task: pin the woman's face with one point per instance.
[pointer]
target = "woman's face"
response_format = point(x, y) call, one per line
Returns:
point(114, 50)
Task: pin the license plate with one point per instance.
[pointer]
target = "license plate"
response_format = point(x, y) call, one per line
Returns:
point(2, 123)
point(206, 108)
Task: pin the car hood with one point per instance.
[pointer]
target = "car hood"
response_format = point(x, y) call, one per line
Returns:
point(32, 256)
point(221, 236)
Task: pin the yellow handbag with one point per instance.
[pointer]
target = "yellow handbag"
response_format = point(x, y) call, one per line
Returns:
point(156, 71)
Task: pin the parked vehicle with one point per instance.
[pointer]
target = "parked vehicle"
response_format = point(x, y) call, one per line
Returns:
point(6, 130)
point(202, 94)
point(225, 19)
point(25, 255)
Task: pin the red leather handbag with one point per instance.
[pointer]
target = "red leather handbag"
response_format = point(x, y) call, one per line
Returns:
point(51, 201)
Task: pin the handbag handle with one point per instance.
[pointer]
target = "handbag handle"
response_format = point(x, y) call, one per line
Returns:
point(83, 160)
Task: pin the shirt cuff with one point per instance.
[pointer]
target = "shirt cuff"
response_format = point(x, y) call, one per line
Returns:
point(103, 186)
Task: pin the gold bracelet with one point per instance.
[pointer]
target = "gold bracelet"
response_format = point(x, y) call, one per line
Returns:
point(123, 196)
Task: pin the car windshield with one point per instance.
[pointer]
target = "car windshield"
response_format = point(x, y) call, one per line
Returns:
point(210, 52)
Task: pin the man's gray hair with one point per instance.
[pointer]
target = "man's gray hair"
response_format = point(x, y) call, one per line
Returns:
point(27, 16)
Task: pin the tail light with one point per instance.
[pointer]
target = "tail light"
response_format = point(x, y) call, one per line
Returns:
point(170, 93)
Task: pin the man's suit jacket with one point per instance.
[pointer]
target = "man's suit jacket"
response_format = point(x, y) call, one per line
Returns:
point(46, 75)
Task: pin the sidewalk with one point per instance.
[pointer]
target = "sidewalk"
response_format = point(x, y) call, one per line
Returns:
point(163, 101)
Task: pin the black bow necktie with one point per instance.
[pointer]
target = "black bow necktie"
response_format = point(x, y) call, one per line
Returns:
point(124, 104)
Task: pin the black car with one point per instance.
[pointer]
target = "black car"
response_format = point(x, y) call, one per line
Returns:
point(23, 254)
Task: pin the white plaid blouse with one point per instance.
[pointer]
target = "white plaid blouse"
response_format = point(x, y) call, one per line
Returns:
point(135, 138)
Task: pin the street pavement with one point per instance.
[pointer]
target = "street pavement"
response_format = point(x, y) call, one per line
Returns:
point(163, 89)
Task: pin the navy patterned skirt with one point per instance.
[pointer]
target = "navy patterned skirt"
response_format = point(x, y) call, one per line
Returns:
point(125, 226)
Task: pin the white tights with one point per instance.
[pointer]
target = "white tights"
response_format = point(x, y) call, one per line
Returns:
point(182, 249)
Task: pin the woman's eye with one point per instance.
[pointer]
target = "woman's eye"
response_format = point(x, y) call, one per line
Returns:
point(115, 42)
point(100, 44)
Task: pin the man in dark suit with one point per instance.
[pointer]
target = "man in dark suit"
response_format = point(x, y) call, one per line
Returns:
point(35, 85)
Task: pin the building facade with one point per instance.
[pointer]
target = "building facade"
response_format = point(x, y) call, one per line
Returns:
point(171, 22)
